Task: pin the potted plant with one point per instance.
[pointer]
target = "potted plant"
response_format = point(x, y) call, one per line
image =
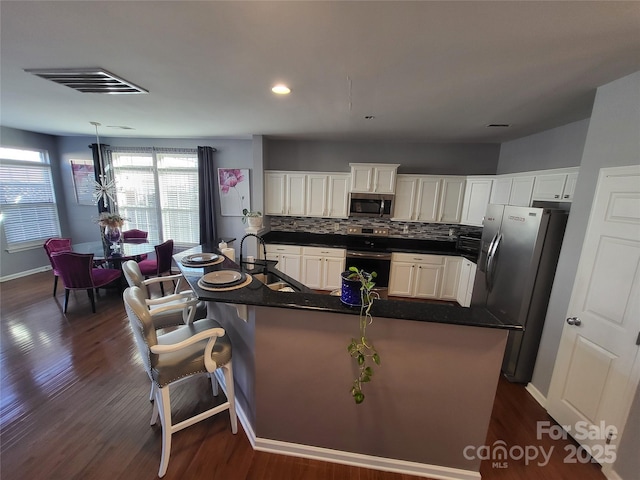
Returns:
point(361, 349)
point(254, 219)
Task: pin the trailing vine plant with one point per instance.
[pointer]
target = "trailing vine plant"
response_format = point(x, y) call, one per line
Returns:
point(362, 349)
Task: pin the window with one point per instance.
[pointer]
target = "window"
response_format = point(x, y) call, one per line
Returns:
point(157, 191)
point(28, 208)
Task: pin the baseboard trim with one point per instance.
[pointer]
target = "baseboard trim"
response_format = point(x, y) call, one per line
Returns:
point(242, 416)
point(536, 394)
point(610, 473)
point(26, 273)
point(365, 461)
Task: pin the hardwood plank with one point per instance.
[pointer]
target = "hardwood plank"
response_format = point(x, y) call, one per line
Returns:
point(74, 405)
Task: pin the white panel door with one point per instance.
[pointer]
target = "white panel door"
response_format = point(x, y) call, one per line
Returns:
point(338, 196)
point(428, 280)
point(296, 194)
point(451, 199)
point(385, 179)
point(312, 271)
point(333, 267)
point(405, 199)
point(401, 279)
point(317, 185)
point(501, 190)
point(598, 366)
point(428, 202)
point(274, 193)
point(476, 198)
point(521, 191)
point(451, 279)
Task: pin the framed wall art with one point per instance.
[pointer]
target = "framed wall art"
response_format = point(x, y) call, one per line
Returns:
point(84, 178)
point(235, 195)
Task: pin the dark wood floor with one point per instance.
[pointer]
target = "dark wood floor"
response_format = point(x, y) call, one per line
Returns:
point(74, 405)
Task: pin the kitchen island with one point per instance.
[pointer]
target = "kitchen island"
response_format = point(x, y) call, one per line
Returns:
point(430, 398)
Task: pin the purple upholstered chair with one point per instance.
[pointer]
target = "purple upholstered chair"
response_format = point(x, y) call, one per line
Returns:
point(134, 235)
point(77, 272)
point(52, 245)
point(159, 265)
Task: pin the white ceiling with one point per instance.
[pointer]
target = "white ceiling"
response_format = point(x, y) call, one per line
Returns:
point(427, 71)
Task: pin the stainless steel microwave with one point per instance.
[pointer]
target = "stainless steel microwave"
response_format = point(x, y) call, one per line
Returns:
point(370, 205)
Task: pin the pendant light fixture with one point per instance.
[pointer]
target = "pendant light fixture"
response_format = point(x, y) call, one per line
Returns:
point(104, 189)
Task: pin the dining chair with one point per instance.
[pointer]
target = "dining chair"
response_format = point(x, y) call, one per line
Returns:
point(136, 235)
point(78, 273)
point(159, 265)
point(52, 245)
point(134, 278)
point(202, 347)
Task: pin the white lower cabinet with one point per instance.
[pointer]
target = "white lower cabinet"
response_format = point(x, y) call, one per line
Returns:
point(321, 267)
point(451, 279)
point(289, 258)
point(414, 275)
point(435, 277)
point(465, 285)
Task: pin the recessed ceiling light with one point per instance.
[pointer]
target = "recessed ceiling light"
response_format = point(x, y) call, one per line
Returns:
point(281, 89)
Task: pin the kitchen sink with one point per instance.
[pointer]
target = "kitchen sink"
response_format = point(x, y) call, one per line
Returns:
point(274, 282)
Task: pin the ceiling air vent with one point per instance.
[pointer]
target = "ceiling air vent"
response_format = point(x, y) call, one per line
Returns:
point(88, 80)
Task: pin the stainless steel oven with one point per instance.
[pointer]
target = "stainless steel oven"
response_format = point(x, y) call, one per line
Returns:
point(370, 205)
point(366, 250)
point(379, 262)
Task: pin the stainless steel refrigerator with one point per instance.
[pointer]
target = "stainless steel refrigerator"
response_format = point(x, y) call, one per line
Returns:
point(517, 263)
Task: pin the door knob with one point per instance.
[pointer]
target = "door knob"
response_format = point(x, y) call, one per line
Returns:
point(574, 321)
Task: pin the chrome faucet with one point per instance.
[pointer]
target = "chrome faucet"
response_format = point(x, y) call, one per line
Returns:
point(260, 239)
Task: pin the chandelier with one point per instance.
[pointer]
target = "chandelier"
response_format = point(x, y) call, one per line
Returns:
point(104, 189)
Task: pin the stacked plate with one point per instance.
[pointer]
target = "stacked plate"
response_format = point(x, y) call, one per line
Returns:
point(200, 259)
point(223, 279)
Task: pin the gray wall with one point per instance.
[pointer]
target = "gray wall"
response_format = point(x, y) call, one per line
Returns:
point(612, 139)
point(36, 258)
point(419, 158)
point(556, 148)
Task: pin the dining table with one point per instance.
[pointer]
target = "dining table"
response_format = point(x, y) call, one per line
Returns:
point(131, 249)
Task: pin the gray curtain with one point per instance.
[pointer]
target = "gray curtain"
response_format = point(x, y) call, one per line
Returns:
point(97, 169)
point(207, 184)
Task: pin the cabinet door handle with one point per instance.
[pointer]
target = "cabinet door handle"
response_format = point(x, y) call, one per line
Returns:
point(566, 196)
point(556, 196)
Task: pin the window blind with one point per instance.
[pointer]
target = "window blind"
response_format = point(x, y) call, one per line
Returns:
point(157, 191)
point(27, 200)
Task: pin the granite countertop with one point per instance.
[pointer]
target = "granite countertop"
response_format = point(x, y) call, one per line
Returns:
point(257, 293)
point(379, 244)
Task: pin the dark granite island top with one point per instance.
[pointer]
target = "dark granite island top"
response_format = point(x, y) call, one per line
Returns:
point(257, 293)
point(430, 398)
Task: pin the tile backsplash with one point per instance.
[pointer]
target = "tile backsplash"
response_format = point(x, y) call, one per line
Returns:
point(422, 231)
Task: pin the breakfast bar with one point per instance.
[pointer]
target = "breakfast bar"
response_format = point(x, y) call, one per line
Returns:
point(429, 399)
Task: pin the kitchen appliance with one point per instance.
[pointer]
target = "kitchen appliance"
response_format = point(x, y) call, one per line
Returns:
point(370, 205)
point(366, 253)
point(469, 244)
point(518, 256)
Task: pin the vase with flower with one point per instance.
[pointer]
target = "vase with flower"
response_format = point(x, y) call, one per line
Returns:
point(112, 223)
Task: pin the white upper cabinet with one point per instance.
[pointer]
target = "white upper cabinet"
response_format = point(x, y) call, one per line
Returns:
point(522, 191)
point(501, 190)
point(295, 194)
point(306, 194)
point(558, 187)
point(317, 190)
point(338, 195)
point(450, 210)
point(373, 177)
point(285, 193)
point(477, 194)
point(274, 193)
point(513, 190)
point(427, 198)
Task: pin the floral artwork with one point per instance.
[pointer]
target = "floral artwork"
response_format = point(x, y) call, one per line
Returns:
point(233, 184)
